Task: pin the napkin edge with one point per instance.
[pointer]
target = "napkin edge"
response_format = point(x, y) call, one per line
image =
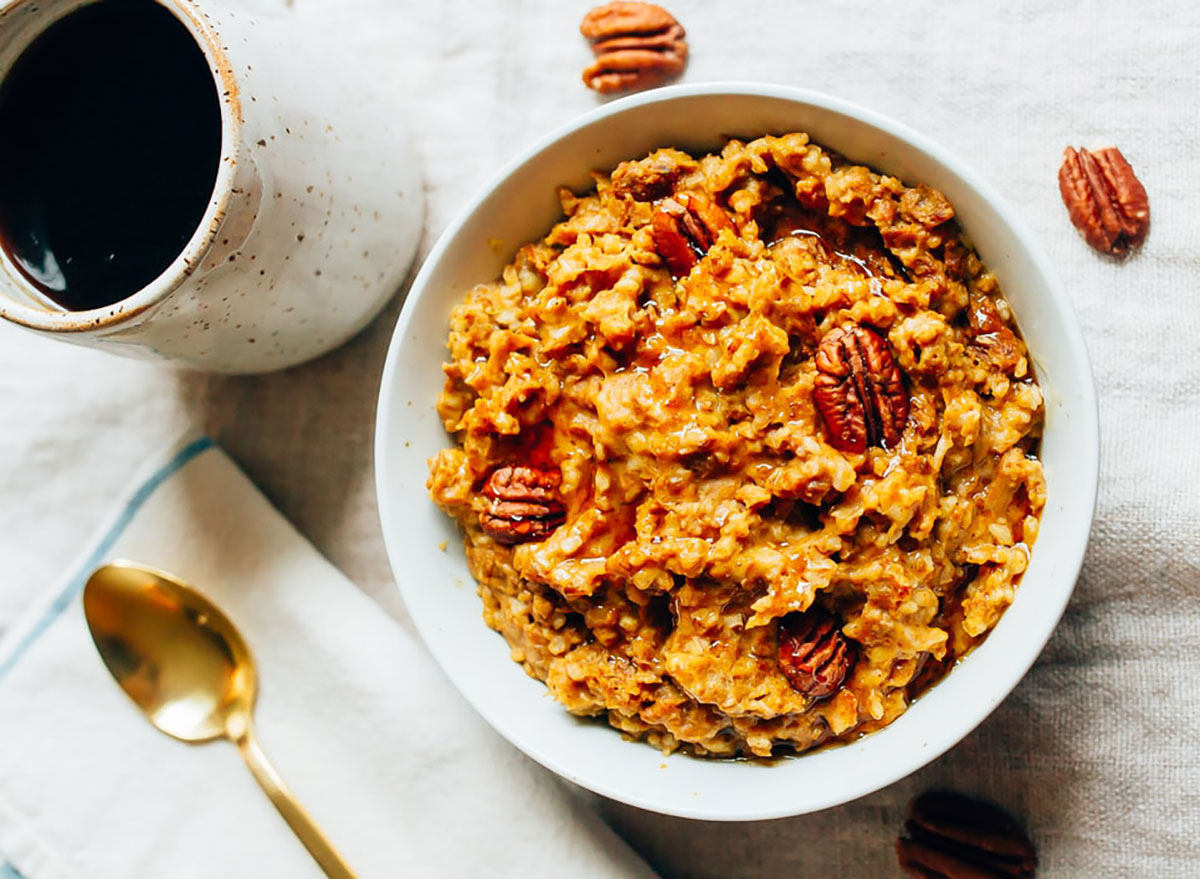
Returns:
point(158, 468)
point(18, 842)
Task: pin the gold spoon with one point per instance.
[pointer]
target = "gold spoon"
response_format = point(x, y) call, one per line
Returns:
point(186, 666)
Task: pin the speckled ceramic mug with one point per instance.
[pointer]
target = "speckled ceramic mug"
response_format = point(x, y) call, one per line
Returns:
point(312, 224)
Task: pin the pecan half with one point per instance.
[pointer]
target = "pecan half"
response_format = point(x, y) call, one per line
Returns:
point(960, 262)
point(814, 655)
point(684, 227)
point(858, 390)
point(521, 504)
point(1106, 201)
point(653, 177)
point(636, 45)
point(991, 335)
point(926, 205)
point(951, 836)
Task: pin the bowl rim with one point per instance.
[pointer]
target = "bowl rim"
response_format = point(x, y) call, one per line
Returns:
point(390, 510)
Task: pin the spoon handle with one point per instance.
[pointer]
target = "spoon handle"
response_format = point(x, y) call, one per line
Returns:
point(291, 810)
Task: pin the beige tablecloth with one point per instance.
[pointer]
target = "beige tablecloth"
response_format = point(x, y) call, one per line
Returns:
point(1096, 750)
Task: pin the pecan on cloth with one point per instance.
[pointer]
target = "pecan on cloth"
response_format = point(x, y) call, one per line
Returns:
point(858, 390)
point(1106, 201)
point(951, 836)
point(814, 655)
point(521, 504)
point(636, 45)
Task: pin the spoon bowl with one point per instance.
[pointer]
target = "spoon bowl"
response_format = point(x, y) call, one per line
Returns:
point(187, 668)
point(172, 651)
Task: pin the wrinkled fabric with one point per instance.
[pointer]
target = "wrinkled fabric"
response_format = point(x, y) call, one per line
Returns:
point(355, 715)
point(1095, 750)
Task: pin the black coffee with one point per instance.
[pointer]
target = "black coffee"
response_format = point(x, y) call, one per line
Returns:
point(110, 138)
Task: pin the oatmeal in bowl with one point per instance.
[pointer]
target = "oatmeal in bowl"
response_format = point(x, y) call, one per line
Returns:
point(745, 447)
point(753, 571)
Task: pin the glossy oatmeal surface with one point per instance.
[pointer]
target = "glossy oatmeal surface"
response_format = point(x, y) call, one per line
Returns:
point(744, 448)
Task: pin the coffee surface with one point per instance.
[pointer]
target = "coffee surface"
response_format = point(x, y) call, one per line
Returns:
point(110, 140)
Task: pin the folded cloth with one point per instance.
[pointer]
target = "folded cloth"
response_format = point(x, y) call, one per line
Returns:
point(399, 772)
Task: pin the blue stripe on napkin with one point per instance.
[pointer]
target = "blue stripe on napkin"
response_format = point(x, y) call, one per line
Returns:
point(8, 871)
point(94, 560)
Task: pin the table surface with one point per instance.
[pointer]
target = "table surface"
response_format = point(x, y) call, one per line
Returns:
point(1094, 749)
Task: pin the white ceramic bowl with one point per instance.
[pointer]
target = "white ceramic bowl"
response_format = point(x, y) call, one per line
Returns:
point(519, 205)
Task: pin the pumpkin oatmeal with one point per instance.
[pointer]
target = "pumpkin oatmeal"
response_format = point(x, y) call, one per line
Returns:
point(745, 448)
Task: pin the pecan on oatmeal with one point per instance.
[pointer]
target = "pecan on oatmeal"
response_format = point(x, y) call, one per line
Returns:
point(813, 653)
point(521, 505)
point(777, 437)
point(992, 336)
point(951, 836)
point(1106, 201)
point(636, 45)
point(684, 229)
point(858, 390)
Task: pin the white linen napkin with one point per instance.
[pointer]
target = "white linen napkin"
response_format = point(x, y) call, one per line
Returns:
point(400, 773)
